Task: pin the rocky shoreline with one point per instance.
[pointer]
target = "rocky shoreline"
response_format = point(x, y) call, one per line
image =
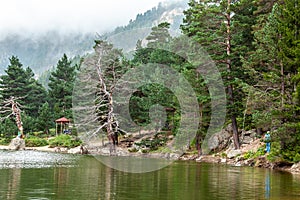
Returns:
point(261, 162)
point(217, 158)
point(220, 143)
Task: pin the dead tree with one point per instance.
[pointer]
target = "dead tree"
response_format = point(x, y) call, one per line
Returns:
point(93, 98)
point(11, 107)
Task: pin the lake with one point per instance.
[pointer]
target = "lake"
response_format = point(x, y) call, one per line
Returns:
point(33, 175)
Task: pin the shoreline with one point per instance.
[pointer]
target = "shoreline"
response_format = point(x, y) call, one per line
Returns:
point(238, 161)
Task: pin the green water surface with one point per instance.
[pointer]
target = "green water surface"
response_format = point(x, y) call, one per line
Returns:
point(36, 175)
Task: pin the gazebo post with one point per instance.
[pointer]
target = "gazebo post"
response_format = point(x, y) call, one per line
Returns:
point(56, 129)
point(61, 127)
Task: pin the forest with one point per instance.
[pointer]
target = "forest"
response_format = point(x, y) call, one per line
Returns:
point(254, 44)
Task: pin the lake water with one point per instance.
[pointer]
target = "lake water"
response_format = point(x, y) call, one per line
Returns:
point(33, 175)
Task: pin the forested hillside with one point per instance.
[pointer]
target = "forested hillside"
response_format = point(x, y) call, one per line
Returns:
point(41, 51)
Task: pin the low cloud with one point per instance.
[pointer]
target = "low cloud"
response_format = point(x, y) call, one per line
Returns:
point(36, 16)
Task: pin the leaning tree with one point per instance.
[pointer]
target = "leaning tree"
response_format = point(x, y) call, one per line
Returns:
point(93, 93)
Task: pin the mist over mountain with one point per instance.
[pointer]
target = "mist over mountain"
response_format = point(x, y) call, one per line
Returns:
point(41, 51)
point(125, 37)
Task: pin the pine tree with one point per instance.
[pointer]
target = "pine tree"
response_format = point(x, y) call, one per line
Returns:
point(221, 27)
point(61, 87)
point(20, 83)
point(15, 81)
point(273, 66)
point(45, 118)
point(159, 35)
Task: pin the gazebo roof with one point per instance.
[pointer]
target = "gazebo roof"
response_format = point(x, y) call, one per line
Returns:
point(62, 120)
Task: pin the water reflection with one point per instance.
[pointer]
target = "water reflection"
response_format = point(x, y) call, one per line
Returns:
point(89, 179)
point(267, 185)
point(13, 185)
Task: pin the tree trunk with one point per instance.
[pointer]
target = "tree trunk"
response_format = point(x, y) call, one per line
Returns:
point(282, 84)
point(112, 136)
point(259, 131)
point(230, 87)
point(198, 144)
point(235, 132)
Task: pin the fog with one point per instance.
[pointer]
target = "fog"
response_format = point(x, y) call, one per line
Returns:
point(39, 16)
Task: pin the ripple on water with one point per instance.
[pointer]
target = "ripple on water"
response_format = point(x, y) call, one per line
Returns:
point(35, 159)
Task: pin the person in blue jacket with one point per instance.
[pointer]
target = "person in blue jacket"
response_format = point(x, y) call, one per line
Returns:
point(268, 142)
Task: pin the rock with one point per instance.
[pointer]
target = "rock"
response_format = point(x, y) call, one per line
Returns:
point(84, 149)
point(248, 136)
point(247, 140)
point(199, 159)
point(60, 150)
point(219, 141)
point(296, 167)
point(208, 159)
point(233, 153)
point(144, 150)
point(263, 162)
point(171, 137)
point(249, 162)
point(229, 128)
point(76, 150)
point(172, 156)
point(133, 150)
point(239, 158)
point(223, 160)
point(17, 144)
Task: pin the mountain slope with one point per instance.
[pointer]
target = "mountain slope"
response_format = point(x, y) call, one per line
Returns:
point(125, 37)
point(42, 51)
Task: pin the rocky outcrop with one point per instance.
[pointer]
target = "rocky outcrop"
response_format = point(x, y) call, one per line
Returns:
point(220, 140)
point(247, 137)
point(17, 144)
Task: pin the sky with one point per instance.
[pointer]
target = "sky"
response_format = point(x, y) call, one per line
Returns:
point(36, 16)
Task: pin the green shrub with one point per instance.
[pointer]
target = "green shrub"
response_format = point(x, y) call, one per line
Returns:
point(52, 131)
point(296, 158)
point(248, 155)
point(5, 141)
point(64, 141)
point(39, 134)
point(260, 152)
point(275, 151)
point(35, 142)
point(152, 143)
point(223, 155)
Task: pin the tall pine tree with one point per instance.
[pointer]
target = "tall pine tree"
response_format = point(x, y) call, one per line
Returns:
point(20, 83)
point(61, 83)
point(222, 27)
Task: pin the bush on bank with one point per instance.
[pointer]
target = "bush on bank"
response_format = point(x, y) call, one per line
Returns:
point(34, 141)
point(64, 141)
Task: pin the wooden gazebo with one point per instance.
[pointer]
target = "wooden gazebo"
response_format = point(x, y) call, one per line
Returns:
point(64, 124)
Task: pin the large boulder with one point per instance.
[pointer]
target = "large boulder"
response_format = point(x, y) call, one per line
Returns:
point(78, 150)
point(220, 140)
point(17, 144)
point(233, 153)
point(247, 137)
